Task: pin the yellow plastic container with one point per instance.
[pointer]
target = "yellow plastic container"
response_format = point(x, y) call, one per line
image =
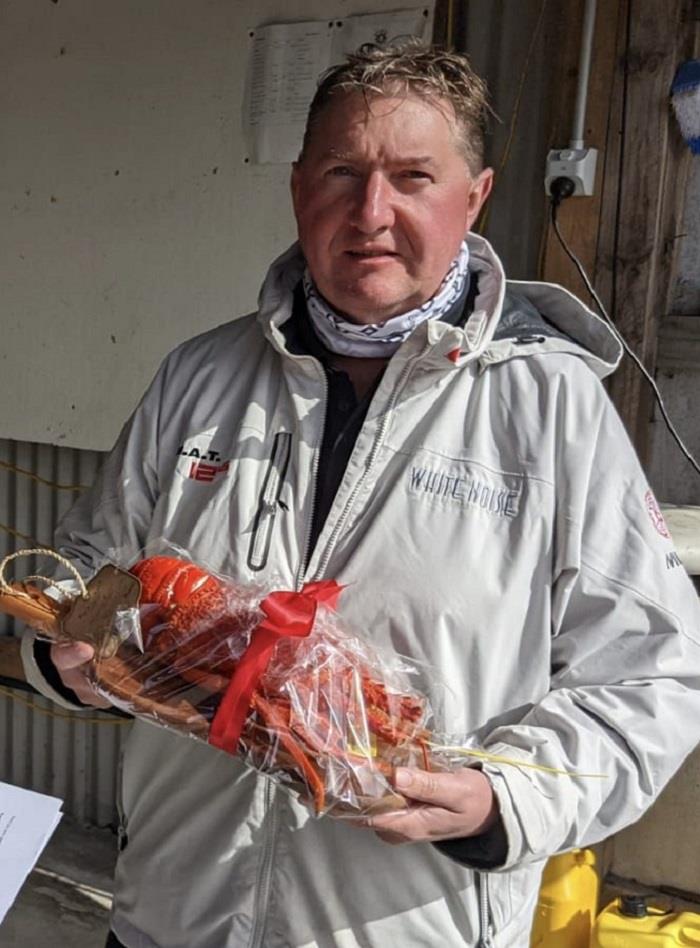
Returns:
point(616, 928)
point(568, 901)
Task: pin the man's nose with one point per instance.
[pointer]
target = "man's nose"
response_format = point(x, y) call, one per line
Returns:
point(374, 208)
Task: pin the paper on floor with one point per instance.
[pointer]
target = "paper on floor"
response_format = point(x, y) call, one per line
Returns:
point(27, 820)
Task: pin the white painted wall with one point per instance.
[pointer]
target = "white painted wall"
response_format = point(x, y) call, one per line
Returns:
point(130, 220)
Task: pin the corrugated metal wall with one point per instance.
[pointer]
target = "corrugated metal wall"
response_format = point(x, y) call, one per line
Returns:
point(74, 756)
point(514, 47)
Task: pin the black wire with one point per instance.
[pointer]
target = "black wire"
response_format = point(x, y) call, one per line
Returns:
point(17, 684)
point(620, 338)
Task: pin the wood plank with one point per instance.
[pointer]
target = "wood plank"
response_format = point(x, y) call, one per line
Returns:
point(651, 182)
point(443, 24)
point(10, 661)
point(679, 344)
point(579, 217)
point(611, 160)
point(624, 235)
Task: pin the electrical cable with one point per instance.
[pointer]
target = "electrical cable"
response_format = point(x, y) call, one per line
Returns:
point(562, 188)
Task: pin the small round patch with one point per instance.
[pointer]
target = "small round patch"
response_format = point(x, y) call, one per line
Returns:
point(657, 518)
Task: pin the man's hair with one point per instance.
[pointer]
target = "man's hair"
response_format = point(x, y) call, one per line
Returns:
point(411, 68)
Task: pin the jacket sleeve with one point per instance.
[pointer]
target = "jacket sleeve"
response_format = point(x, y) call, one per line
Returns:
point(110, 521)
point(623, 709)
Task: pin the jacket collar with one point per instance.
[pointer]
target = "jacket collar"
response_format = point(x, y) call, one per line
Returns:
point(482, 339)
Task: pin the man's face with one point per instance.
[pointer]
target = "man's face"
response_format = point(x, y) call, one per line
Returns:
point(383, 198)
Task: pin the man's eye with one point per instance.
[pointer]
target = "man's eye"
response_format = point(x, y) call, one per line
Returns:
point(340, 171)
point(416, 174)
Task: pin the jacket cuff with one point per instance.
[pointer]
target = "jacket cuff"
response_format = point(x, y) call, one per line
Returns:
point(487, 851)
point(523, 822)
point(41, 673)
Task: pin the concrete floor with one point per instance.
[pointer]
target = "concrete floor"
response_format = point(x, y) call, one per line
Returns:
point(65, 902)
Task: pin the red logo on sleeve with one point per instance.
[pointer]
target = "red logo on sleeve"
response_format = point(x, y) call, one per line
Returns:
point(655, 515)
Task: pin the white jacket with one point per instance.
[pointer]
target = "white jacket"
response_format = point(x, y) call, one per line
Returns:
point(493, 521)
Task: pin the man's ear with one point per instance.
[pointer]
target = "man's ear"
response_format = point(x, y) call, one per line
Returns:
point(480, 189)
point(295, 185)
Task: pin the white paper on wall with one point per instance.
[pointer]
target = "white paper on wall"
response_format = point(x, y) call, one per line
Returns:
point(285, 61)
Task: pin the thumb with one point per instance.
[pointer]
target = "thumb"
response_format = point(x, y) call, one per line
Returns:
point(66, 656)
point(452, 790)
point(421, 785)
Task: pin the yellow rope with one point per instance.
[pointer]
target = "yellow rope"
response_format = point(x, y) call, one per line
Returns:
point(42, 551)
point(64, 715)
point(500, 759)
point(6, 466)
point(20, 536)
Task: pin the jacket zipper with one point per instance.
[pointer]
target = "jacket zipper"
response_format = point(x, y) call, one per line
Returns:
point(301, 572)
point(265, 874)
point(485, 927)
point(264, 881)
point(323, 565)
point(122, 828)
point(259, 550)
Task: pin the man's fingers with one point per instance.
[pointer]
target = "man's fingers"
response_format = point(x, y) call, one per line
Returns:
point(416, 824)
point(446, 790)
point(68, 655)
point(394, 839)
point(71, 660)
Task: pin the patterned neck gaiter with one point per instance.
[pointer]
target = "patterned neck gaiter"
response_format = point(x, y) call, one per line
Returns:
point(382, 339)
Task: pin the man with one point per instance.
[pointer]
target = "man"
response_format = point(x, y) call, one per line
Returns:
point(399, 418)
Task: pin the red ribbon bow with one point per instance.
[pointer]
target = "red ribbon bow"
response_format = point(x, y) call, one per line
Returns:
point(287, 614)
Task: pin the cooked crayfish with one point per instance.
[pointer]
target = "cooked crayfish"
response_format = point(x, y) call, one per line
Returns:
point(318, 713)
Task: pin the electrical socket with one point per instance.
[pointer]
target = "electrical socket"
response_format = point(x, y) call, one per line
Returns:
point(578, 164)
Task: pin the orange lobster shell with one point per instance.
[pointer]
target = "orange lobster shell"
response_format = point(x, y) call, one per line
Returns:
point(326, 722)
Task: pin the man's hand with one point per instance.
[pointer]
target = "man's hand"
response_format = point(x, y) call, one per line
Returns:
point(441, 806)
point(71, 660)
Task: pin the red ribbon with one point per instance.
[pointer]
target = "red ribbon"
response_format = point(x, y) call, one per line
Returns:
point(286, 614)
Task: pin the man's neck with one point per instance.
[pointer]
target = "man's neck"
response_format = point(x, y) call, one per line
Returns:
point(363, 373)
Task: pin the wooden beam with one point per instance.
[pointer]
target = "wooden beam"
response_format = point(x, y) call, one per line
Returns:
point(443, 23)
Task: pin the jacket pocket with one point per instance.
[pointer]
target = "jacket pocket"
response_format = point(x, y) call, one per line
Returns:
point(269, 502)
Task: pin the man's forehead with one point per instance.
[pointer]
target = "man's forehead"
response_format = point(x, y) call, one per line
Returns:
point(355, 105)
point(332, 153)
point(410, 122)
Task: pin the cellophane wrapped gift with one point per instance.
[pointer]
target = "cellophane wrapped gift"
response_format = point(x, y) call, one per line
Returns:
point(275, 677)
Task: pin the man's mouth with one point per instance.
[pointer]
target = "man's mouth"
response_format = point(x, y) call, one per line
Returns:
point(361, 254)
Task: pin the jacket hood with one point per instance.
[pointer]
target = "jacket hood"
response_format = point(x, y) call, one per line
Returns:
point(544, 317)
point(510, 318)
